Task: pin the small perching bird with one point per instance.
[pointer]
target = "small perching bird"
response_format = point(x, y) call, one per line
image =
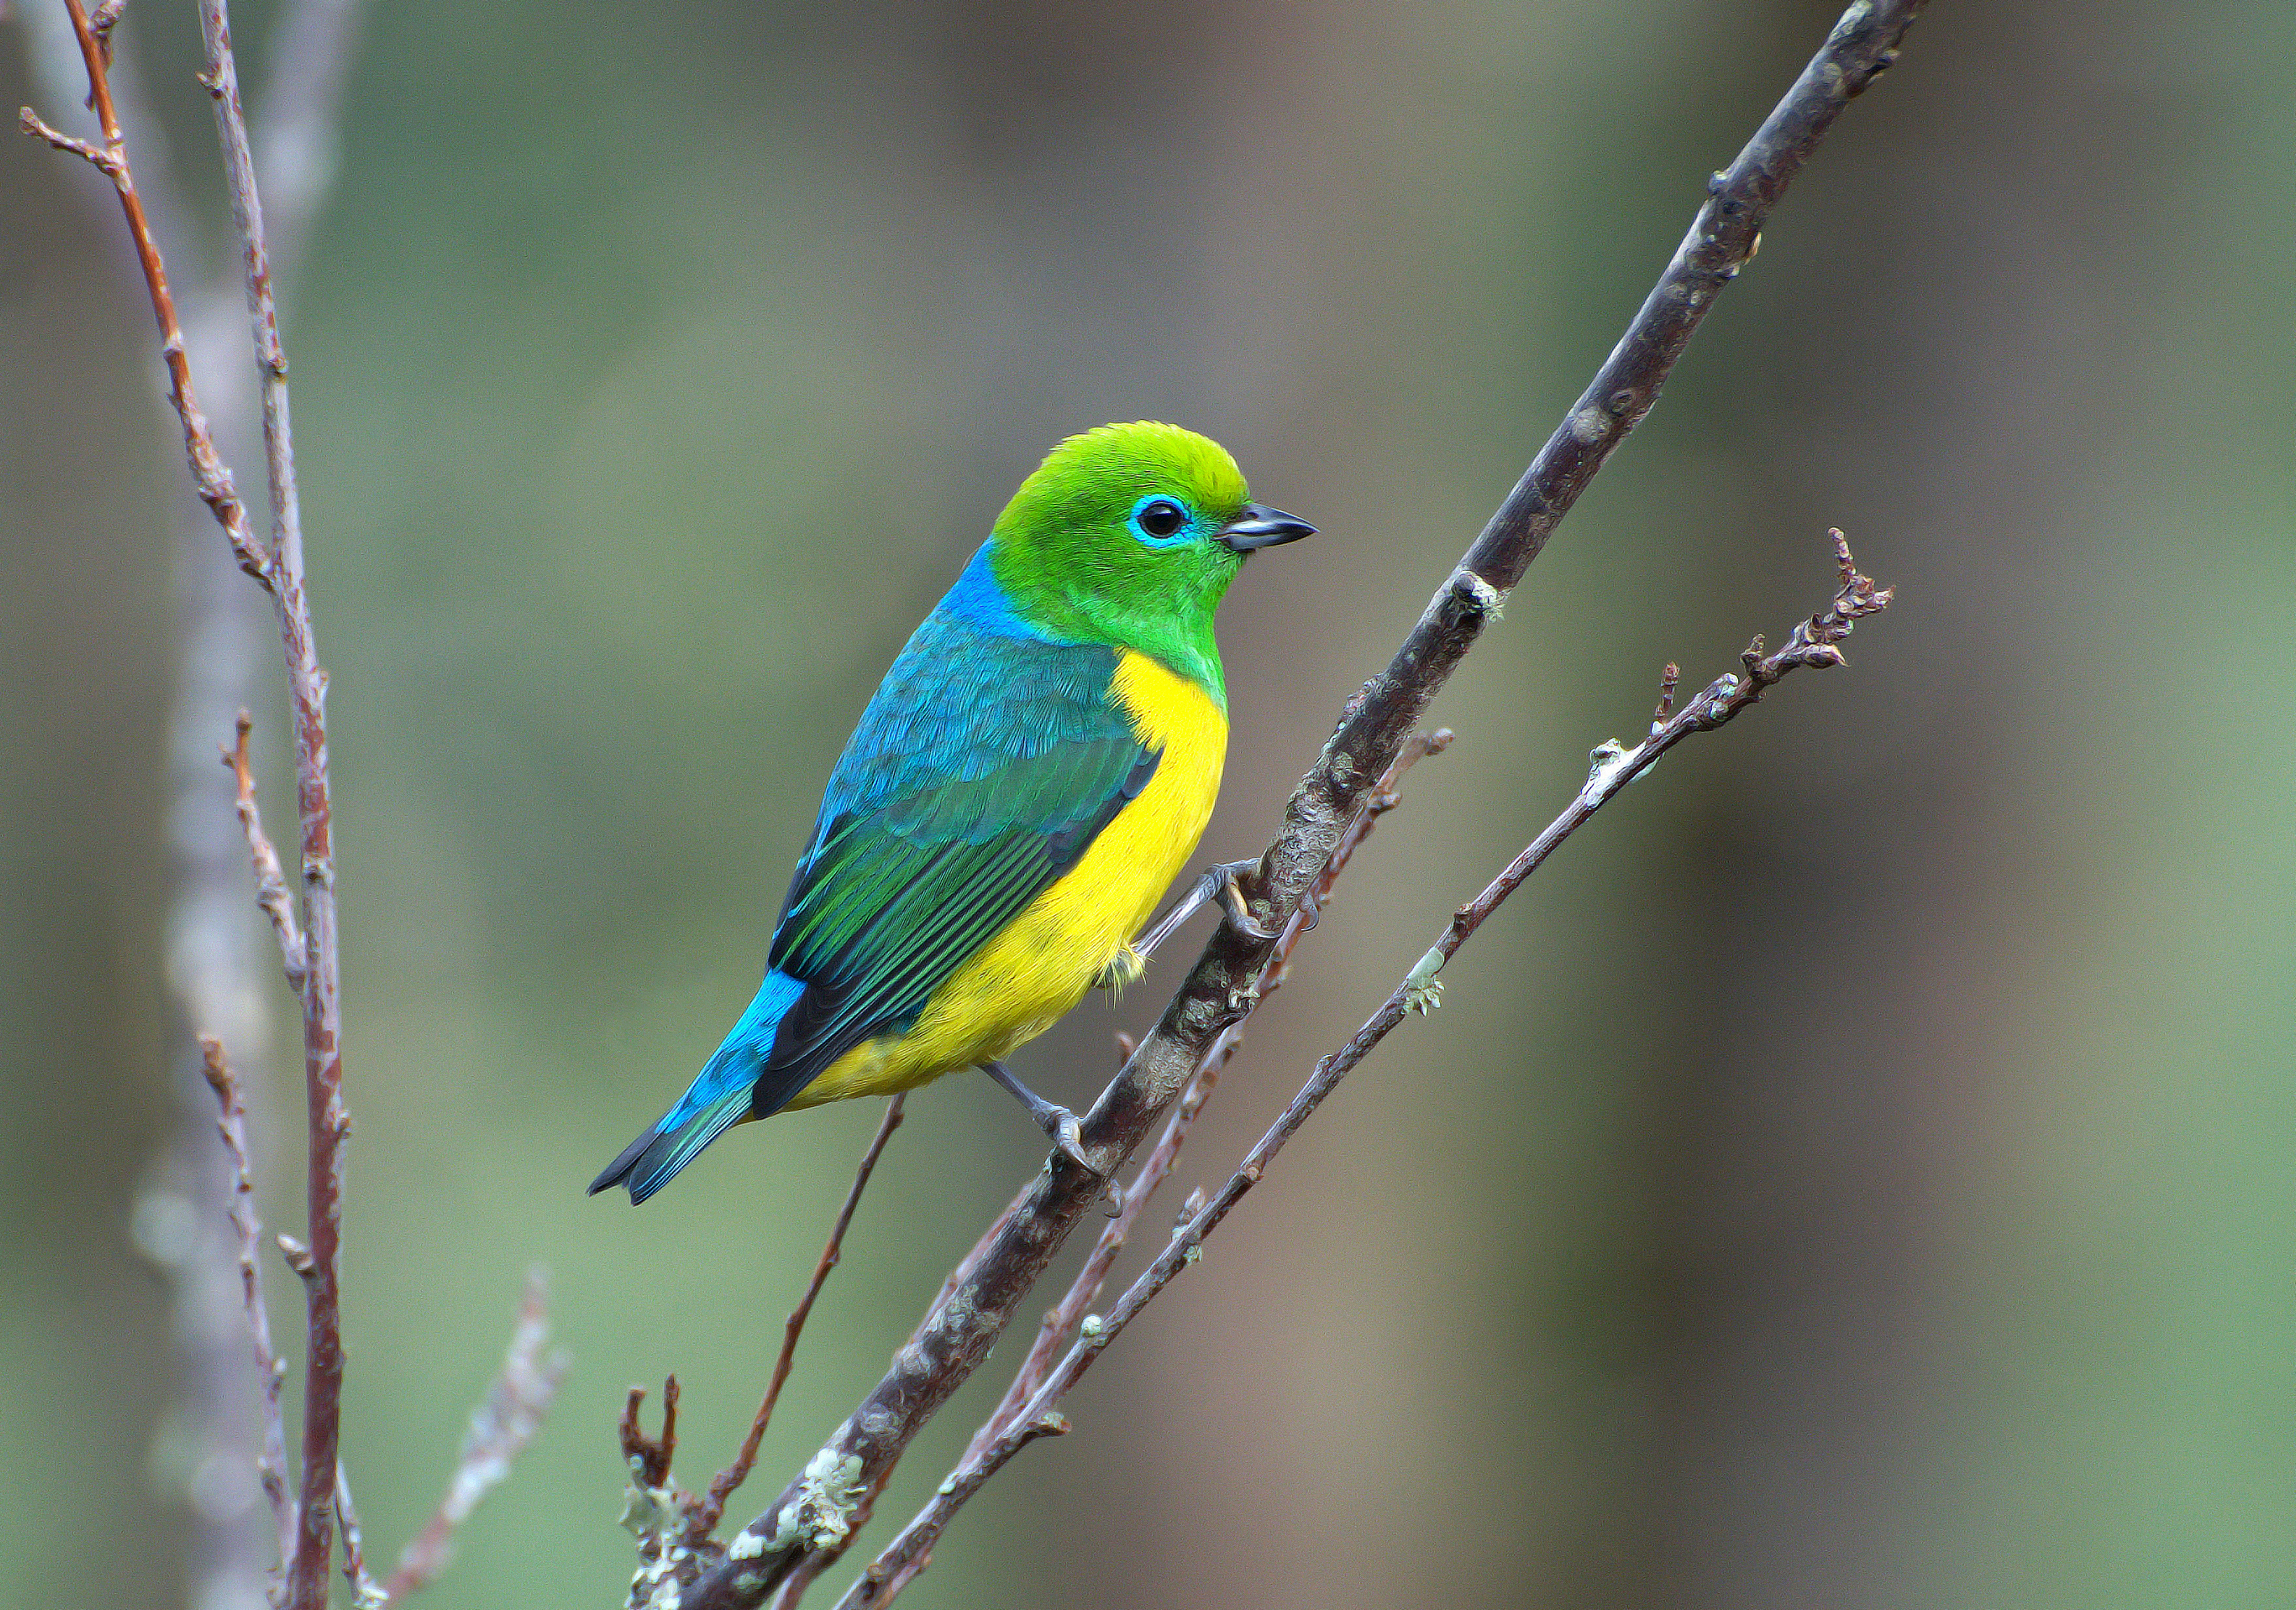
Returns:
point(1035, 769)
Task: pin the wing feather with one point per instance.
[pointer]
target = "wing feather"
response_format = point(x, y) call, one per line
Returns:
point(979, 773)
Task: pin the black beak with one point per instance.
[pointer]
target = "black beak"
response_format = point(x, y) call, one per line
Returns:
point(1260, 527)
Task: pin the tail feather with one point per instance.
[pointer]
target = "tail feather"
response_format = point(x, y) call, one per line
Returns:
point(652, 1160)
point(718, 1099)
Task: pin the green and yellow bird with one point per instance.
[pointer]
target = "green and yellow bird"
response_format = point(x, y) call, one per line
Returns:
point(1035, 768)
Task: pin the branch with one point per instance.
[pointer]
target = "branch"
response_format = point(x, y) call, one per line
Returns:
point(957, 1333)
point(231, 1123)
point(1811, 643)
point(501, 1427)
point(367, 1594)
point(321, 982)
point(209, 474)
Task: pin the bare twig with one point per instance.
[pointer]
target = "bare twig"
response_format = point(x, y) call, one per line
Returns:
point(722, 1486)
point(1811, 643)
point(958, 1332)
point(321, 985)
point(365, 1593)
point(231, 1123)
point(501, 1427)
point(270, 880)
point(209, 473)
point(650, 1457)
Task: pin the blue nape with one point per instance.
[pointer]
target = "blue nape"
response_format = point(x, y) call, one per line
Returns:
point(980, 600)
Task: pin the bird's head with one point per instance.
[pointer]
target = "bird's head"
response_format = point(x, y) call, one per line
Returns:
point(1129, 535)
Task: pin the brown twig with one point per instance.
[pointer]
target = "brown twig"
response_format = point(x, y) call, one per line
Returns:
point(231, 1123)
point(501, 1427)
point(649, 1458)
point(1814, 643)
point(321, 984)
point(722, 1486)
point(270, 879)
point(209, 474)
point(958, 1332)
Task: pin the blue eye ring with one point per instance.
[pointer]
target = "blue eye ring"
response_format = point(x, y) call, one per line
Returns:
point(1161, 520)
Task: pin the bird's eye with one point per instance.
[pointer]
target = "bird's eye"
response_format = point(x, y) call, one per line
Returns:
point(1160, 516)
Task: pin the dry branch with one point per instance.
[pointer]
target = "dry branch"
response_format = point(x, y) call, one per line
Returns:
point(957, 1333)
point(270, 879)
point(1814, 643)
point(209, 474)
point(501, 1427)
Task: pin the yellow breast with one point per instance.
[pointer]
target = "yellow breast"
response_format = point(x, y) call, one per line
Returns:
point(1024, 980)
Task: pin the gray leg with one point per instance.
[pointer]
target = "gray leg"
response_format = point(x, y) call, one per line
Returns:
point(1053, 1118)
point(1218, 884)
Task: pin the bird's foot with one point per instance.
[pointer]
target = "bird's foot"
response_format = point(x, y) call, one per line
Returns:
point(1218, 884)
point(1065, 1128)
point(1232, 904)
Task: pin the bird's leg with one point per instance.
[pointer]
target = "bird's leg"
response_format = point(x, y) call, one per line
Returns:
point(1218, 884)
point(1050, 1116)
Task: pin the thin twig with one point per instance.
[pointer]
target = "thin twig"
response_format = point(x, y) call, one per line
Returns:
point(501, 1427)
point(231, 1123)
point(1814, 643)
point(328, 1121)
point(209, 474)
point(722, 1486)
point(961, 1329)
point(270, 879)
point(365, 1594)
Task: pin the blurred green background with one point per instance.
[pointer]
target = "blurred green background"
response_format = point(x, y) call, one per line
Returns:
point(1855, 1171)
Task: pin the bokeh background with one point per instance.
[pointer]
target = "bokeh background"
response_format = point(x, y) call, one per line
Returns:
point(1858, 1172)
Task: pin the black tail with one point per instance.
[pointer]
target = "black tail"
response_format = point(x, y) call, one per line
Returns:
point(619, 1170)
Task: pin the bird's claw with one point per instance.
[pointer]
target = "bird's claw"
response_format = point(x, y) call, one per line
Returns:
point(1067, 1131)
point(1232, 905)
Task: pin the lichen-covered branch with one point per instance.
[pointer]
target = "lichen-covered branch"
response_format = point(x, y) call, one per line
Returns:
point(1814, 643)
point(957, 1334)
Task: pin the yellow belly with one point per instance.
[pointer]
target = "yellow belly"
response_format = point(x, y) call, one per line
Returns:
point(1026, 978)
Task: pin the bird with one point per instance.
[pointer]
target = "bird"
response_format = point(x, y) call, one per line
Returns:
point(1035, 770)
